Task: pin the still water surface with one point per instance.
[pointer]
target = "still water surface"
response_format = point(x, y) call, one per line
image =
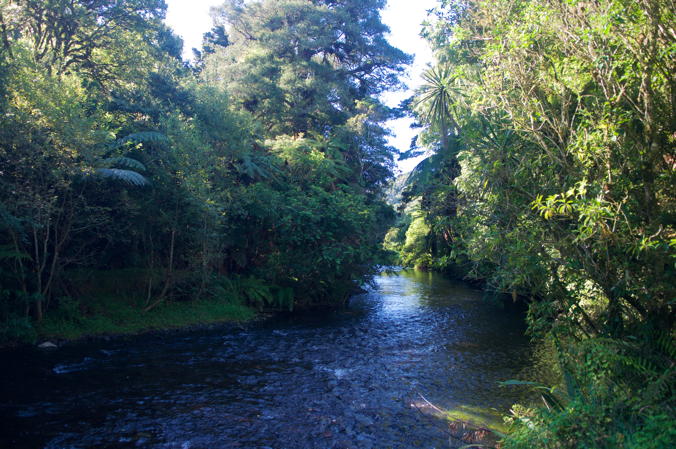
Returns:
point(347, 379)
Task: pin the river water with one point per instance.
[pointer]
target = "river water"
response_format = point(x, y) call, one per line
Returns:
point(349, 379)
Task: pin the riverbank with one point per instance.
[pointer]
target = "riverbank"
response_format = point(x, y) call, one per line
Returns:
point(109, 316)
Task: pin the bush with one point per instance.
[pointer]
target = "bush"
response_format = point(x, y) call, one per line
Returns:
point(17, 329)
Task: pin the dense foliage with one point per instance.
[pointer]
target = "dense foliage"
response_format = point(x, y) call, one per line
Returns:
point(554, 179)
point(132, 180)
point(255, 174)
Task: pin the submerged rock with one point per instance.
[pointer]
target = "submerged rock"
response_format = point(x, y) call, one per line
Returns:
point(363, 419)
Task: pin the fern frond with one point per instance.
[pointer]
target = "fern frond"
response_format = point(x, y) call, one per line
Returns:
point(638, 362)
point(123, 161)
point(127, 176)
point(662, 387)
point(665, 343)
point(253, 167)
point(256, 291)
point(284, 298)
point(140, 137)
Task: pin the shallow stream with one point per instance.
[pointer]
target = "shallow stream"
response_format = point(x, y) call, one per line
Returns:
point(349, 379)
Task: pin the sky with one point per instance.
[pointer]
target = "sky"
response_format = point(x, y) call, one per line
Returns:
point(190, 19)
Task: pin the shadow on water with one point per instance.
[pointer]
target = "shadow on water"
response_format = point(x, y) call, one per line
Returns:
point(344, 379)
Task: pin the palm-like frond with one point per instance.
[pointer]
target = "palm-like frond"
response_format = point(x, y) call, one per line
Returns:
point(436, 97)
point(123, 168)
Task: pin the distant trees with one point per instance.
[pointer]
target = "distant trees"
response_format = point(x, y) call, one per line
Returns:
point(308, 73)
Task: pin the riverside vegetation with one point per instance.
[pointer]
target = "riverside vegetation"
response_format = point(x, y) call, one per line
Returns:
point(133, 182)
point(137, 190)
point(553, 178)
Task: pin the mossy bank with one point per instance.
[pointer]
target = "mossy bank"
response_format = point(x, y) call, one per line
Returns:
point(109, 316)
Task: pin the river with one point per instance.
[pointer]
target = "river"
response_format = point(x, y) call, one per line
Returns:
point(348, 379)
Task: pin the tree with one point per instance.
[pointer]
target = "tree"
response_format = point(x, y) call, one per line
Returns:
point(434, 102)
point(304, 67)
point(73, 35)
point(566, 195)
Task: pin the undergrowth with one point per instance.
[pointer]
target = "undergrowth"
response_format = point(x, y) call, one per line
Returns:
point(109, 316)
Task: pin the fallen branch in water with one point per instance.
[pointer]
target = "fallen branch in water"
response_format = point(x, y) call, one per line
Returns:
point(470, 433)
point(444, 430)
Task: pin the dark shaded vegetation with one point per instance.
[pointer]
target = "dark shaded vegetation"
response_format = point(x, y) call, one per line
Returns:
point(251, 178)
point(552, 179)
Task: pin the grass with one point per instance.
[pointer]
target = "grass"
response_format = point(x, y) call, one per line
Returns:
point(109, 315)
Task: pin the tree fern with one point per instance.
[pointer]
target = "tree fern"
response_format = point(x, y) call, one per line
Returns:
point(256, 291)
point(123, 168)
point(422, 175)
point(256, 167)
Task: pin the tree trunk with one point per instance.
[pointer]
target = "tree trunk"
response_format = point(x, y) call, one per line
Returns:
point(170, 274)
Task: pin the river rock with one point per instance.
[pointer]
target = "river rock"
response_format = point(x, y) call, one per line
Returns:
point(47, 345)
point(359, 389)
point(363, 419)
